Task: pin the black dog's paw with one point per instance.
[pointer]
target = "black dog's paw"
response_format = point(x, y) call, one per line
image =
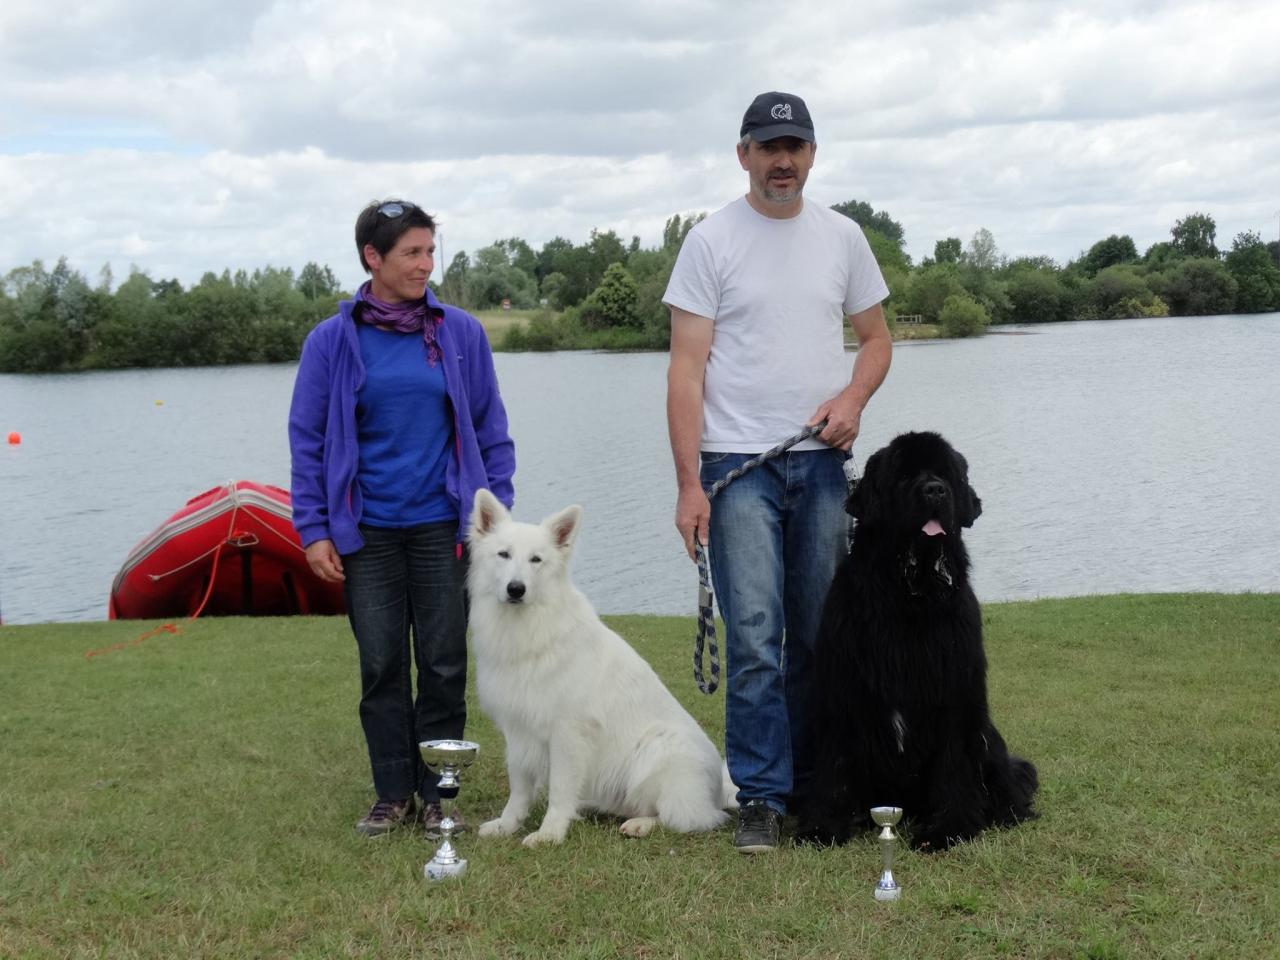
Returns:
point(929, 841)
point(814, 838)
point(822, 833)
point(1012, 816)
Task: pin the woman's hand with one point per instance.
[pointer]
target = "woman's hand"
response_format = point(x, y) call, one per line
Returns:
point(324, 561)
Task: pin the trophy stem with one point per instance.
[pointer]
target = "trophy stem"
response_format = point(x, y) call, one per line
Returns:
point(887, 888)
point(446, 862)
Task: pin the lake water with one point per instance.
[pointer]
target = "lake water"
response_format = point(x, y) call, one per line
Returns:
point(1136, 455)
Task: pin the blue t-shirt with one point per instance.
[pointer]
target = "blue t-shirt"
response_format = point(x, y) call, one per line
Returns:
point(405, 425)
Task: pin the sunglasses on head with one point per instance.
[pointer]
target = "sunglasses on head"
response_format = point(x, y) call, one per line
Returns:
point(395, 209)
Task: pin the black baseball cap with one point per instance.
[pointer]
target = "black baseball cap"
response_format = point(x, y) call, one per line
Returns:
point(772, 115)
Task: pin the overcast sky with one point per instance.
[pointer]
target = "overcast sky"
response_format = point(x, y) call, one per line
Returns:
point(195, 136)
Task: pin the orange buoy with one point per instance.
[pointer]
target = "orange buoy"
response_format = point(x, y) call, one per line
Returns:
point(15, 438)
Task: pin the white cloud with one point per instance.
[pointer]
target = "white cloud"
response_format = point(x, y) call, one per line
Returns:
point(202, 136)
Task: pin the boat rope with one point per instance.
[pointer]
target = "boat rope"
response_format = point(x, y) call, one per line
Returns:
point(172, 628)
point(242, 540)
point(178, 569)
point(136, 641)
point(216, 548)
point(234, 495)
point(291, 542)
point(706, 596)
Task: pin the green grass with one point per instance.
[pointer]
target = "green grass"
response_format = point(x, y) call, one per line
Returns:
point(917, 331)
point(497, 322)
point(193, 795)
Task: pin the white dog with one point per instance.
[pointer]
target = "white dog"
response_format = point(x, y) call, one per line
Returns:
point(583, 715)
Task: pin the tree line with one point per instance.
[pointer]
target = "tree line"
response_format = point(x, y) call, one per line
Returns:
point(602, 294)
point(964, 288)
point(607, 294)
point(53, 320)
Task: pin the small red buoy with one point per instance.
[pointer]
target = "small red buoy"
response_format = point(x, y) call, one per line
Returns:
point(15, 438)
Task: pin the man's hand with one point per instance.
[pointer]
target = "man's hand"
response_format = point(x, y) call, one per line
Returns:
point(324, 561)
point(693, 514)
point(843, 414)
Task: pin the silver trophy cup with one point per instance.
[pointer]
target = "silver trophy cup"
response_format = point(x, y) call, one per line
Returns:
point(886, 818)
point(447, 758)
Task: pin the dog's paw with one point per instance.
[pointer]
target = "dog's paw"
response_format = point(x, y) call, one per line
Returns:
point(931, 842)
point(639, 826)
point(496, 828)
point(823, 831)
point(543, 837)
point(814, 837)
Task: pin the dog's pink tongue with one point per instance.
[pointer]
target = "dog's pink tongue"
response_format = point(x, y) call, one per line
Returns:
point(933, 529)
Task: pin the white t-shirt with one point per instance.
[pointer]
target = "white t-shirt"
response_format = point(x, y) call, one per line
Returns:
point(779, 292)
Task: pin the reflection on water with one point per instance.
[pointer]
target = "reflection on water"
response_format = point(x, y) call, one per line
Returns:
point(1134, 455)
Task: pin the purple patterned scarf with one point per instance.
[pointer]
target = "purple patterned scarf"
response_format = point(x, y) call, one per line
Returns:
point(409, 316)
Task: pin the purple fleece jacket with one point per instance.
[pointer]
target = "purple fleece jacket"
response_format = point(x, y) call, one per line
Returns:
point(322, 425)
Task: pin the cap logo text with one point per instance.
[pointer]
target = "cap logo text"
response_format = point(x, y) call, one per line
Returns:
point(781, 111)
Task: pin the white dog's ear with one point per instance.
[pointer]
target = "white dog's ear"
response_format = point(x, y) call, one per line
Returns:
point(564, 526)
point(486, 513)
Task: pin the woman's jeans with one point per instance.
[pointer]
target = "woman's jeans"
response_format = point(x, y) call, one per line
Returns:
point(776, 536)
point(405, 591)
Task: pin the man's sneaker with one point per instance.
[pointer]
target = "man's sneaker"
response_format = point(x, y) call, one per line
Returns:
point(758, 827)
point(384, 816)
point(431, 816)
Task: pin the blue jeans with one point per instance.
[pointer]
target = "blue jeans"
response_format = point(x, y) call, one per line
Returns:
point(777, 534)
point(406, 601)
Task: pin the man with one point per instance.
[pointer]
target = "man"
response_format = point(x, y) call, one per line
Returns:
point(758, 299)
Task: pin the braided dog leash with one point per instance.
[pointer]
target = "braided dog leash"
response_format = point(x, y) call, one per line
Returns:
point(706, 599)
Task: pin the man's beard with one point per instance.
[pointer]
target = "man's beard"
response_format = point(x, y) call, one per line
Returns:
point(774, 195)
point(783, 196)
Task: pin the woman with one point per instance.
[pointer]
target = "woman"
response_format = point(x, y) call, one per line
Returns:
point(396, 421)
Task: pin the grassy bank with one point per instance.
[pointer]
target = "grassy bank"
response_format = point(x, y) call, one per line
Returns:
point(193, 795)
point(916, 331)
point(496, 323)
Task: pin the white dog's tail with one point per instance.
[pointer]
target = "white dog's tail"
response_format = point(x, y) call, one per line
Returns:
point(728, 791)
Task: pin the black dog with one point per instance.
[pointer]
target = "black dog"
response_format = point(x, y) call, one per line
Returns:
point(901, 698)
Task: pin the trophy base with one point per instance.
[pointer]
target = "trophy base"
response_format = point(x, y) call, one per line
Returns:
point(444, 871)
point(889, 893)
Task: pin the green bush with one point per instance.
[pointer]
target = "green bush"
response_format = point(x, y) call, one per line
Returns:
point(1197, 288)
point(962, 316)
point(618, 338)
point(543, 332)
point(1133, 307)
point(928, 289)
point(613, 302)
point(1118, 292)
point(1037, 296)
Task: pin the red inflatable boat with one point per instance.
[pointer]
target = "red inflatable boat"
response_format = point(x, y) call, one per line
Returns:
point(231, 551)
